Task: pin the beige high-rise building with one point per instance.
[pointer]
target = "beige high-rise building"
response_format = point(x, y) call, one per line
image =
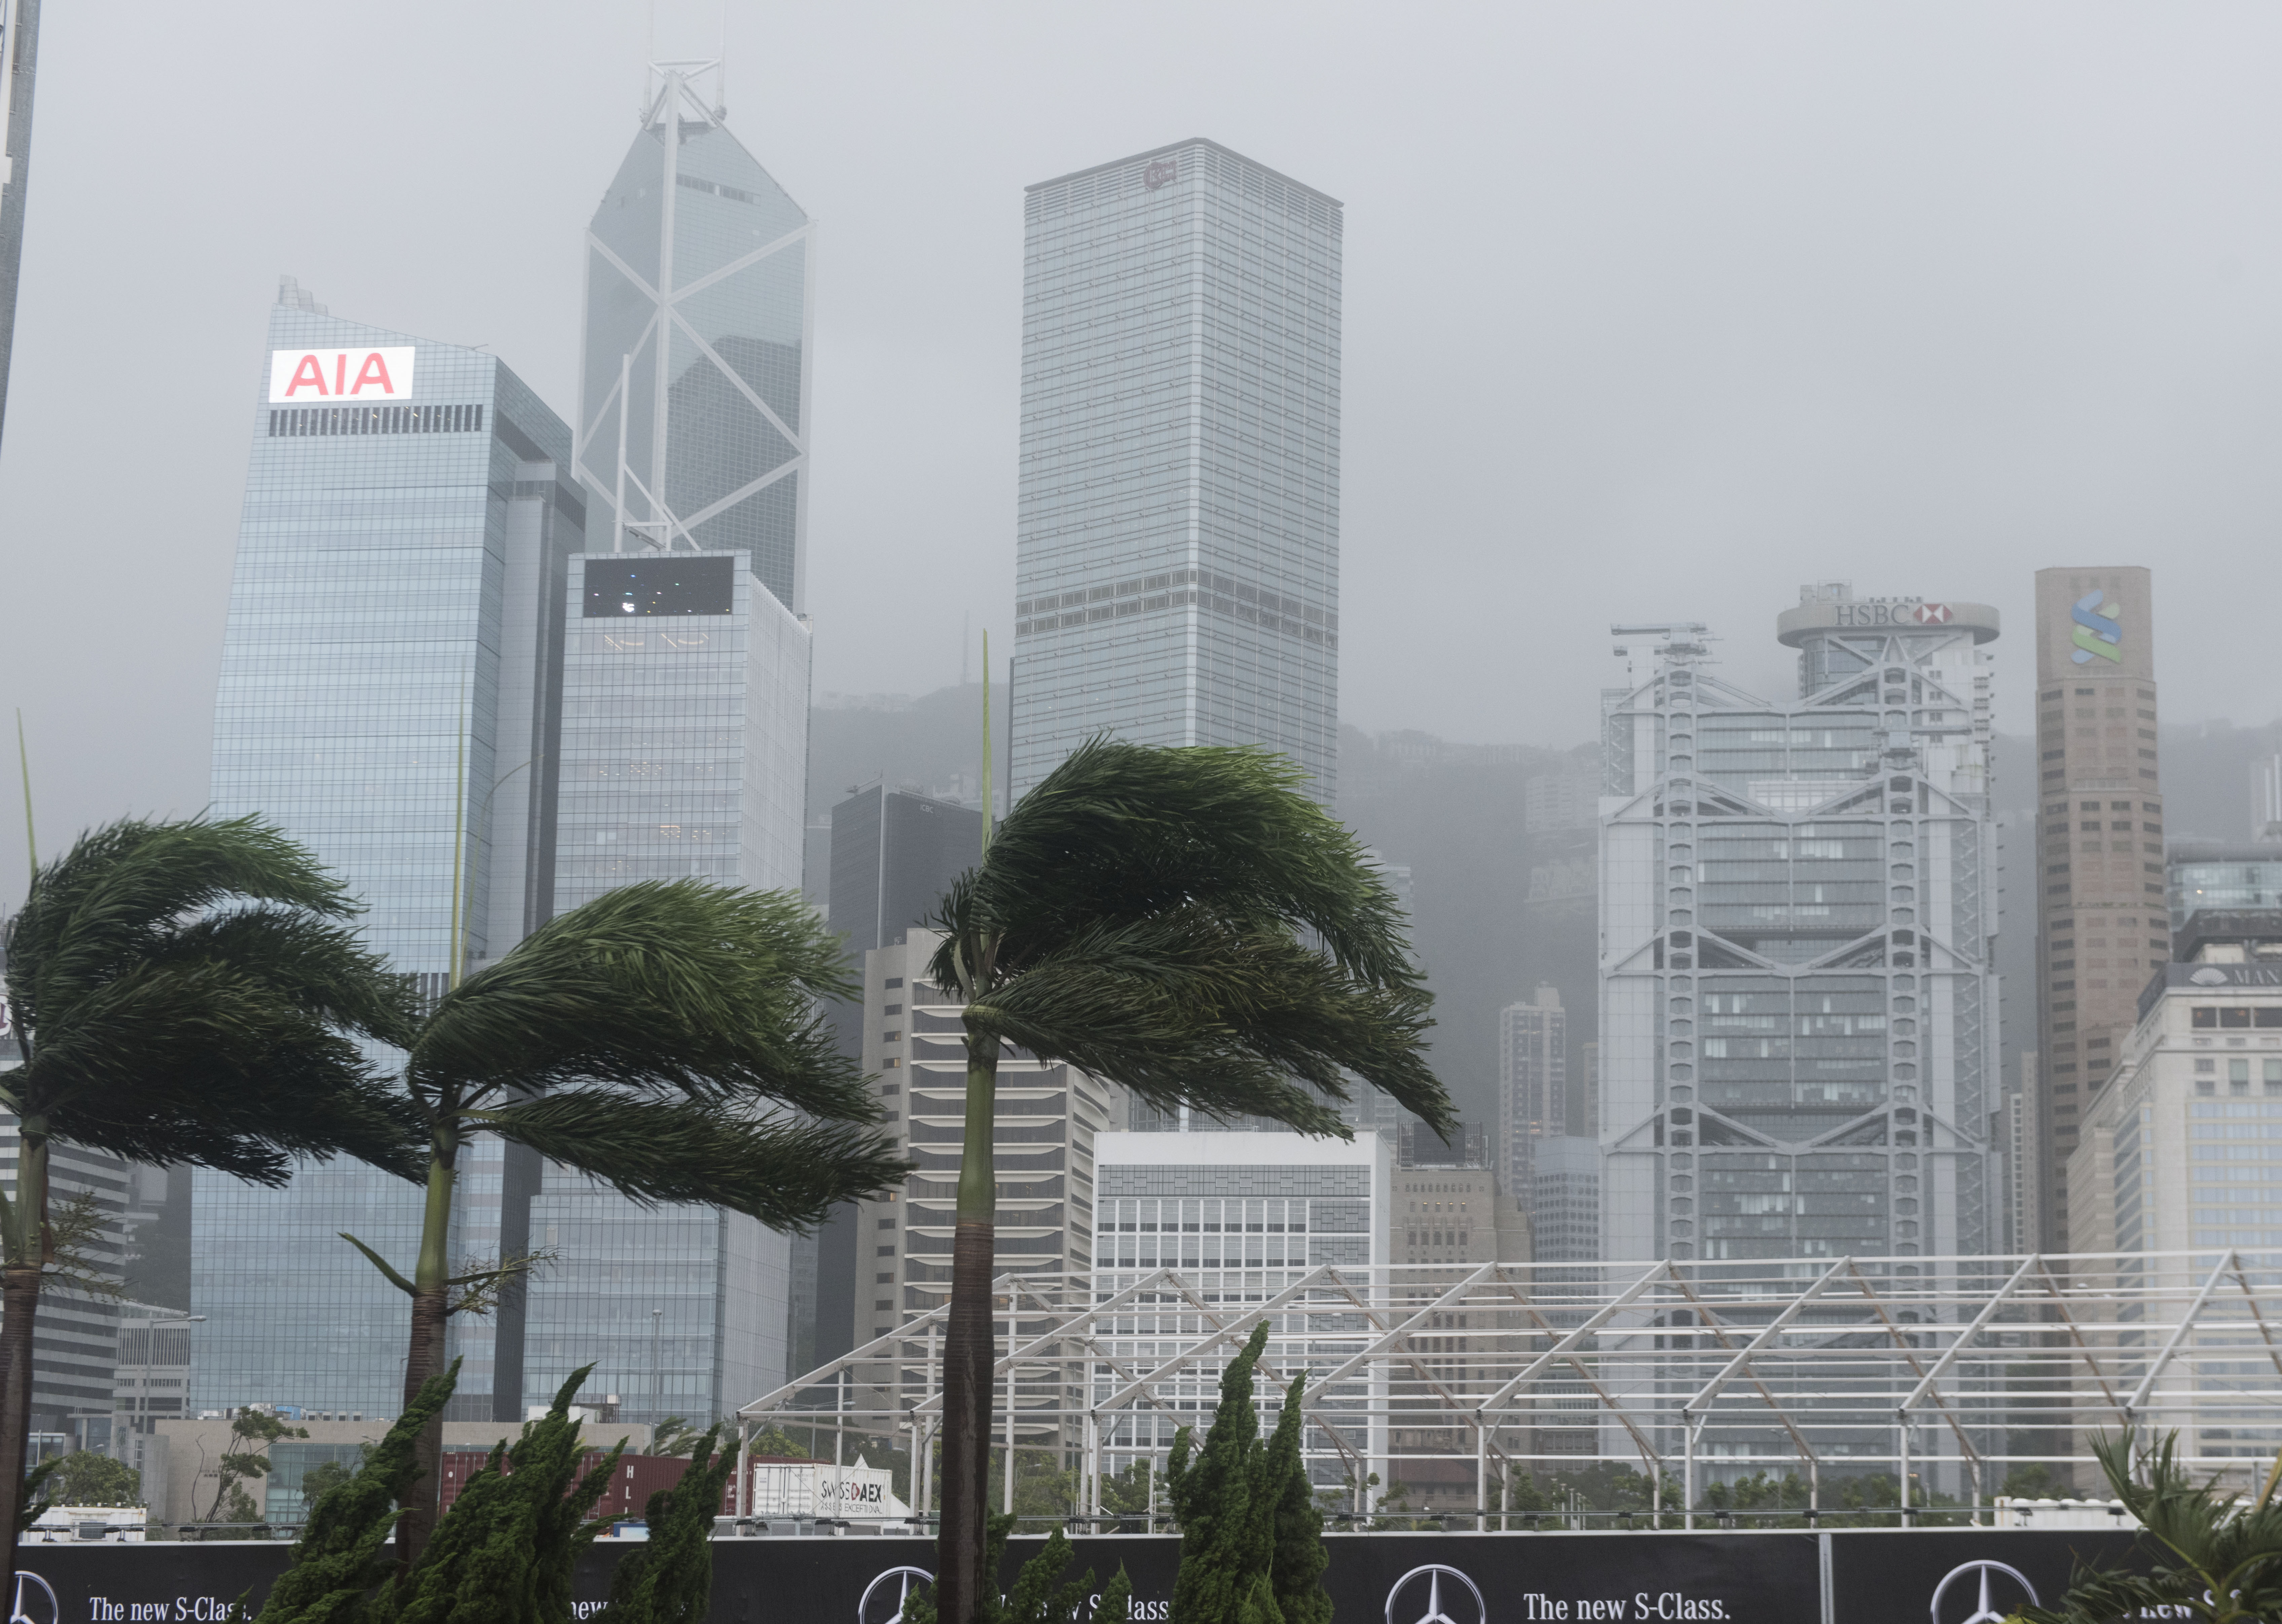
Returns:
point(1045, 1119)
point(1533, 1085)
point(2101, 923)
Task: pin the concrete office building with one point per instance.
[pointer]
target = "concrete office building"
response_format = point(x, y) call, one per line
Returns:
point(2183, 1146)
point(1046, 1124)
point(1241, 1217)
point(1798, 901)
point(1176, 552)
point(1564, 1199)
point(894, 853)
point(1543, 1095)
point(386, 679)
point(2102, 923)
point(2181, 1151)
point(1446, 1209)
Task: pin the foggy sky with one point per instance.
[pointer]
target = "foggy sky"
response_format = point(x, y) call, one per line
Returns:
point(1650, 312)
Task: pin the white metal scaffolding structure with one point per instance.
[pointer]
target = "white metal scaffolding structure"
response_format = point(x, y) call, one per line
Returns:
point(1940, 1374)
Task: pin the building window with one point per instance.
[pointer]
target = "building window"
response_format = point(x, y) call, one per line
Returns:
point(2206, 1085)
point(2237, 1077)
point(2204, 1063)
point(2204, 1015)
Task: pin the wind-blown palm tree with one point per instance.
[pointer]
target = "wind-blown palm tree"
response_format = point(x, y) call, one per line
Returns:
point(184, 994)
point(665, 1039)
point(2208, 1555)
point(1185, 922)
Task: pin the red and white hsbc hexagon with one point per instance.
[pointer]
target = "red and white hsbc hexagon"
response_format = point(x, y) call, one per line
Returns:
point(308, 377)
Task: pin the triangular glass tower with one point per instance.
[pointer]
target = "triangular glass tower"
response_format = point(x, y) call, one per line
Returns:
point(693, 389)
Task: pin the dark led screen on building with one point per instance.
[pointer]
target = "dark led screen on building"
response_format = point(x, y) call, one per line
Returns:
point(664, 585)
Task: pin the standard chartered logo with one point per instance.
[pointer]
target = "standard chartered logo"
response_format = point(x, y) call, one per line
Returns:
point(2097, 634)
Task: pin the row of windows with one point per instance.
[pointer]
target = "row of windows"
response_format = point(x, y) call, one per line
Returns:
point(293, 421)
point(1227, 607)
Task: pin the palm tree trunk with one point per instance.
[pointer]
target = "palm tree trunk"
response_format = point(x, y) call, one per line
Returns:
point(20, 1305)
point(967, 1349)
point(431, 1311)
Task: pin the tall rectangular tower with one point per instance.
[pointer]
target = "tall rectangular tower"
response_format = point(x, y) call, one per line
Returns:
point(387, 678)
point(2102, 925)
point(1533, 1086)
point(1177, 548)
point(1798, 904)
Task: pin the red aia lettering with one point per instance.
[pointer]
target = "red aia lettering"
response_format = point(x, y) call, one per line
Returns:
point(308, 372)
point(375, 370)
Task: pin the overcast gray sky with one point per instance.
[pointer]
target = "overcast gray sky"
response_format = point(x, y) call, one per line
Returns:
point(1650, 312)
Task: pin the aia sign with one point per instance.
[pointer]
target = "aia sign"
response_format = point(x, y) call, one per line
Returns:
point(304, 377)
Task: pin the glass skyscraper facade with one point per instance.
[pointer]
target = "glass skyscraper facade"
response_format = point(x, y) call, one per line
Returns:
point(1177, 545)
point(387, 677)
point(684, 751)
point(694, 363)
point(685, 668)
point(1798, 908)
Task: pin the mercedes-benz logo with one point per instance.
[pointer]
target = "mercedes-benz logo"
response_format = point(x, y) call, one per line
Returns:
point(1984, 1610)
point(1437, 1609)
point(16, 1613)
point(906, 1579)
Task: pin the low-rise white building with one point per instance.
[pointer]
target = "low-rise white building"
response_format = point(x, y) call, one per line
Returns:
point(2190, 1123)
point(2182, 1149)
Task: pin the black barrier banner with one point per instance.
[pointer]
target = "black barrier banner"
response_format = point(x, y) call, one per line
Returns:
point(1373, 1578)
point(129, 1584)
point(1959, 1575)
point(1962, 1576)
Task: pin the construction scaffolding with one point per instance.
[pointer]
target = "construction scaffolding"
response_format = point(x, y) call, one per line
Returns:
point(1941, 1373)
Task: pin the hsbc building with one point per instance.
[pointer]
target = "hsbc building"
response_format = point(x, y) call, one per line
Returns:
point(1798, 917)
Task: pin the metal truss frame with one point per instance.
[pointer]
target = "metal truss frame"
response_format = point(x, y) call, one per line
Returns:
point(1475, 1374)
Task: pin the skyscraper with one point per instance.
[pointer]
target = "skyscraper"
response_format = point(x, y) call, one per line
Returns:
point(1533, 1085)
point(1798, 1005)
point(692, 404)
point(1048, 1118)
point(684, 748)
point(893, 854)
point(686, 667)
point(1176, 566)
point(385, 681)
point(2100, 844)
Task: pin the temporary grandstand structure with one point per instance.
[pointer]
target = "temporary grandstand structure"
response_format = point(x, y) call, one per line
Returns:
point(1942, 1373)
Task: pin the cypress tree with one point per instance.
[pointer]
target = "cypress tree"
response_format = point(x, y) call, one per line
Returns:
point(1227, 1542)
point(342, 1555)
point(504, 1552)
point(1299, 1557)
point(1034, 1599)
point(669, 1580)
point(1116, 1603)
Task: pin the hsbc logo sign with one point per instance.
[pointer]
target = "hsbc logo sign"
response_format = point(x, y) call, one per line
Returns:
point(303, 377)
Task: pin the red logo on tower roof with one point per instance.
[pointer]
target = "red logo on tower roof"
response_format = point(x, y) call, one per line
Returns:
point(1933, 614)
